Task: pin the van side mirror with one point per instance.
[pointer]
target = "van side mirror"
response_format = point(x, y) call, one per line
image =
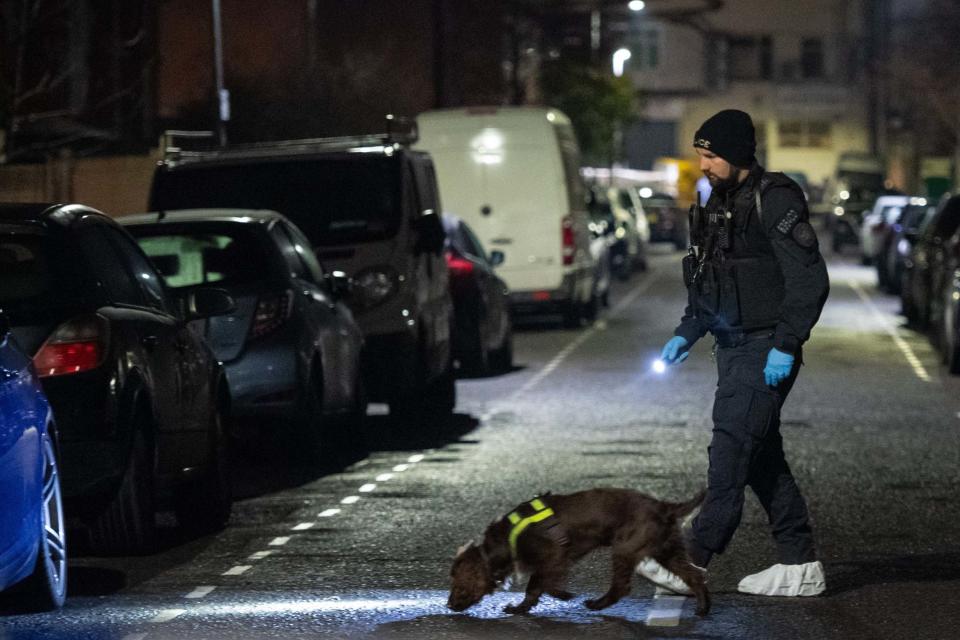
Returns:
point(497, 257)
point(208, 302)
point(430, 234)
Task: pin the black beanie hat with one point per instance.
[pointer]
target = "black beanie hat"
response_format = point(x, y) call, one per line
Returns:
point(730, 135)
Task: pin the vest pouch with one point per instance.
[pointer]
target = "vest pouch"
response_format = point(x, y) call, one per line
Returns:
point(760, 292)
point(729, 295)
point(708, 289)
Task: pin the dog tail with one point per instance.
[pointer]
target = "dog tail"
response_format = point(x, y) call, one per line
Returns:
point(683, 509)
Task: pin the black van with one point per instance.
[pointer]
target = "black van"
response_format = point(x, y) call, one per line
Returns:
point(370, 208)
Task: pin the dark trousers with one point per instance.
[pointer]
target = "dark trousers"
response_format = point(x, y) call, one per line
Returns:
point(747, 450)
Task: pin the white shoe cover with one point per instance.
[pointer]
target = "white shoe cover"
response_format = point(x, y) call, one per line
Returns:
point(658, 575)
point(786, 580)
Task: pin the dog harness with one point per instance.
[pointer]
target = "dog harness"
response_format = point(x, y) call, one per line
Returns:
point(538, 512)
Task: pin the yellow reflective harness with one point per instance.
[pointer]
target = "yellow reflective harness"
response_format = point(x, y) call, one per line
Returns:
point(520, 523)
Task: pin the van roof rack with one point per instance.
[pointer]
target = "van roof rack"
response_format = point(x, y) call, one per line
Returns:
point(401, 131)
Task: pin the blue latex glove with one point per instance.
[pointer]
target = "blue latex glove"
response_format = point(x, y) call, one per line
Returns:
point(778, 367)
point(675, 351)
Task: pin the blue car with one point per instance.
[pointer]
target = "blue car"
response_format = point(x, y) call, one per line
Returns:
point(32, 530)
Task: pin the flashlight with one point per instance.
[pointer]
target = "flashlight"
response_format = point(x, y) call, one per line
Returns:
point(659, 366)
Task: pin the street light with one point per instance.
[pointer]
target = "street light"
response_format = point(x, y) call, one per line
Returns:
point(636, 5)
point(620, 57)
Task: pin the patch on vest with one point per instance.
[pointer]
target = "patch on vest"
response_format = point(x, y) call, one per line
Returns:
point(788, 222)
point(804, 235)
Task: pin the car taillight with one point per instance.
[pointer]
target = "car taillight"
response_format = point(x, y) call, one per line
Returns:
point(76, 346)
point(569, 246)
point(272, 311)
point(458, 266)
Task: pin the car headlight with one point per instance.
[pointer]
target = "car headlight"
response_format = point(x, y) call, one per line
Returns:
point(373, 286)
point(838, 211)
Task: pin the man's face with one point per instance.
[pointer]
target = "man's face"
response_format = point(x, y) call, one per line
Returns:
point(718, 171)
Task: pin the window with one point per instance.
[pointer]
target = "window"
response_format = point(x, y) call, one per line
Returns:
point(811, 58)
point(751, 58)
point(291, 256)
point(192, 258)
point(802, 133)
point(141, 269)
point(108, 269)
point(645, 49)
point(303, 248)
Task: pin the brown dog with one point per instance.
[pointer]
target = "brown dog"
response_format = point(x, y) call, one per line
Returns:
point(544, 537)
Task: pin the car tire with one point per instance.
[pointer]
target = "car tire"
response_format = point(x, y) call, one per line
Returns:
point(572, 315)
point(308, 442)
point(46, 588)
point(128, 525)
point(204, 505)
point(502, 358)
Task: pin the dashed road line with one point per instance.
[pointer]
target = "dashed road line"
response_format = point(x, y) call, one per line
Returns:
point(417, 457)
point(303, 526)
point(400, 468)
point(384, 477)
point(200, 592)
point(167, 615)
point(665, 611)
point(367, 488)
point(328, 513)
point(908, 353)
point(238, 570)
point(260, 555)
point(350, 500)
point(279, 541)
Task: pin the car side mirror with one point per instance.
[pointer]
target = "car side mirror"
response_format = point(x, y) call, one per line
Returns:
point(208, 302)
point(340, 284)
point(430, 234)
point(497, 258)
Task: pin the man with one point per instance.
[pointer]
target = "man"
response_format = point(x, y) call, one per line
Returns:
point(758, 284)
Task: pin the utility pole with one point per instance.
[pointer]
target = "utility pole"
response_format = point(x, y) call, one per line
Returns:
point(223, 95)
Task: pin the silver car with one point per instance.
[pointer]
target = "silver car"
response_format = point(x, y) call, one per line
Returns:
point(291, 350)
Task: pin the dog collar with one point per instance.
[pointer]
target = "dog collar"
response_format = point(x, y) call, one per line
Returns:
point(520, 523)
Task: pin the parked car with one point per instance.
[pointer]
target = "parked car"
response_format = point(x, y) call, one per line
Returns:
point(33, 543)
point(513, 174)
point(138, 395)
point(668, 221)
point(926, 272)
point(632, 231)
point(369, 207)
point(946, 306)
point(482, 332)
point(291, 320)
point(897, 242)
point(858, 182)
point(885, 212)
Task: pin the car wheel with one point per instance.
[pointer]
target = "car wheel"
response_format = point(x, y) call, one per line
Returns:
point(308, 442)
point(46, 588)
point(572, 315)
point(128, 525)
point(502, 358)
point(204, 504)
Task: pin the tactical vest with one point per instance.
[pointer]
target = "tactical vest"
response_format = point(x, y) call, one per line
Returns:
point(737, 284)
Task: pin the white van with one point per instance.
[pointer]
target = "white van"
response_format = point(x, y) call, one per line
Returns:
point(513, 174)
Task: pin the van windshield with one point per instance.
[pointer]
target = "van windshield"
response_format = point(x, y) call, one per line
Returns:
point(334, 200)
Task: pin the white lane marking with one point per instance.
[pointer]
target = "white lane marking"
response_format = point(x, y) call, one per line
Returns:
point(200, 592)
point(400, 468)
point(279, 541)
point(908, 353)
point(367, 488)
point(384, 477)
point(238, 570)
point(583, 337)
point(665, 611)
point(350, 500)
point(260, 555)
point(134, 636)
point(328, 513)
point(303, 526)
point(417, 457)
point(167, 615)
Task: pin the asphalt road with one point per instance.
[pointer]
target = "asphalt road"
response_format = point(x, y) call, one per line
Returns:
point(872, 431)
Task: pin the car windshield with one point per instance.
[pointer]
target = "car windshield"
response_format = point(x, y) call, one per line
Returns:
point(188, 257)
point(35, 275)
point(334, 200)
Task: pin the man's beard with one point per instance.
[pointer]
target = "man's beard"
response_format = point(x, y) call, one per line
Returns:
point(725, 184)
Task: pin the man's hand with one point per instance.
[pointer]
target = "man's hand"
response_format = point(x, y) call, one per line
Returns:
point(675, 351)
point(778, 367)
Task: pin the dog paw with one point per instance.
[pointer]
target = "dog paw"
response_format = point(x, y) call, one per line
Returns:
point(516, 609)
point(599, 603)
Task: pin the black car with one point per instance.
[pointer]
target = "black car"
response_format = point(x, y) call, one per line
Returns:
point(482, 332)
point(291, 320)
point(139, 397)
point(925, 273)
point(667, 220)
point(897, 243)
